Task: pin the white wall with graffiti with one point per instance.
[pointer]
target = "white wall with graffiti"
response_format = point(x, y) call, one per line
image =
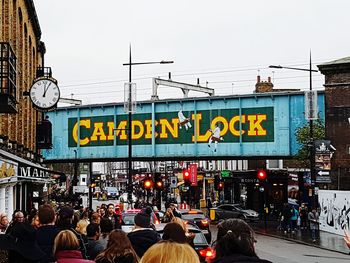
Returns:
point(335, 211)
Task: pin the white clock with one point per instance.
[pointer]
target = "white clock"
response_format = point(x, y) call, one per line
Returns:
point(44, 94)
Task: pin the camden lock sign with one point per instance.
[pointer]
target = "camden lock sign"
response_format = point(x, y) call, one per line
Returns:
point(223, 126)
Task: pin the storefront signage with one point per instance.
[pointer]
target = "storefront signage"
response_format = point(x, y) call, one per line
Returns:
point(7, 169)
point(31, 171)
point(323, 155)
point(225, 126)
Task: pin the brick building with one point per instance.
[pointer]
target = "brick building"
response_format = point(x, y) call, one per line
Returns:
point(337, 105)
point(22, 177)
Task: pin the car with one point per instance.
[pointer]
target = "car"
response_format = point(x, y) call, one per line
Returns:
point(128, 221)
point(196, 217)
point(226, 211)
point(201, 246)
point(112, 192)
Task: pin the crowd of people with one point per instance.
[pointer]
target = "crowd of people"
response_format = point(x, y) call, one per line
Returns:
point(64, 235)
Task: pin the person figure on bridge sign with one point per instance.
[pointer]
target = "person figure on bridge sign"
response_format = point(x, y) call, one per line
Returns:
point(215, 136)
point(184, 121)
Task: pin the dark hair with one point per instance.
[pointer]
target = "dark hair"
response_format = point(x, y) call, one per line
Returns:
point(118, 245)
point(235, 236)
point(46, 214)
point(92, 229)
point(174, 232)
point(106, 225)
point(110, 204)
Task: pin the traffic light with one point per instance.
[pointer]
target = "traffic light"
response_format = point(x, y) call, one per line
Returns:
point(159, 185)
point(220, 186)
point(186, 177)
point(261, 175)
point(147, 184)
point(158, 181)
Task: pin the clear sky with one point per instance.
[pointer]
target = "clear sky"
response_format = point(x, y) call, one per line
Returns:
point(226, 43)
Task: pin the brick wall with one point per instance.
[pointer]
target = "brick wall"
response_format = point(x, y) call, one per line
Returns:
point(20, 28)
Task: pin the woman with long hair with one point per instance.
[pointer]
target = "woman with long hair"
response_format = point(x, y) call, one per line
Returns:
point(235, 242)
point(66, 248)
point(119, 249)
point(170, 252)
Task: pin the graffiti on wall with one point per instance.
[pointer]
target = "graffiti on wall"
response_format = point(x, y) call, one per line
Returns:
point(335, 211)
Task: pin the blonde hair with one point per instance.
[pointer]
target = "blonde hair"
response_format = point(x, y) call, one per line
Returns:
point(81, 226)
point(170, 252)
point(65, 240)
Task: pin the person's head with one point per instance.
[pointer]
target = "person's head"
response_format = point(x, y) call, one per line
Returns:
point(106, 225)
point(170, 252)
point(46, 214)
point(95, 218)
point(118, 245)
point(93, 231)
point(234, 236)
point(102, 212)
point(81, 226)
point(142, 220)
point(35, 222)
point(65, 240)
point(110, 209)
point(18, 217)
point(4, 221)
point(174, 232)
point(65, 216)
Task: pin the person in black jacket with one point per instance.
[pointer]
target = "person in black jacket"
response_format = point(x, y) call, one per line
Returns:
point(235, 243)
point(47, 231)
point(111, 215)
point(143, 236)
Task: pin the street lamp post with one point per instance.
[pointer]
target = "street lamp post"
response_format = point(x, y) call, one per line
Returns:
point(130, 118)
point(311, 128)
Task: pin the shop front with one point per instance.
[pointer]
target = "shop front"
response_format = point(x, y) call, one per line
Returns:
point(23, 184)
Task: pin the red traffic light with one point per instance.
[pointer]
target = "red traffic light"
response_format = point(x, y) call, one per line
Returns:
point(261, 175)
point(220, 185)
point(147, 184)
point(186, 175)
point(160, 185)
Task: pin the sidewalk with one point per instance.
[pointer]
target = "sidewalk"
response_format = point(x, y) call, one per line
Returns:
point(326, 240)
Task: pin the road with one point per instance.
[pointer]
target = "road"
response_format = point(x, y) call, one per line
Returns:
point(284, 251)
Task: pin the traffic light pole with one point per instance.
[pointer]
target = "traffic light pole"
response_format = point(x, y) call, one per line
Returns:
point(90, 188)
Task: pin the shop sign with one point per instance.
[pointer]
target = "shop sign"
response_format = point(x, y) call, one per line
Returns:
point(31, 171)
point(7, 169)
point(323, 155)
point(225, 173)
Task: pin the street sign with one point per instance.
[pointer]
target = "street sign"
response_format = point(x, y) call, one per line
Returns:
point(225, 173)
point(173, 182)
point(323, 173)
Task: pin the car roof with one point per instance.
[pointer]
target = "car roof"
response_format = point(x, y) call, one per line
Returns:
point(188, 211)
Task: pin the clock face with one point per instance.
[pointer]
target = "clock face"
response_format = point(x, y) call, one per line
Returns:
point(44, 94)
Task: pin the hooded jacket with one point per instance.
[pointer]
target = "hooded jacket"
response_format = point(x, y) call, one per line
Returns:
point(142, 239)
point(71, 256)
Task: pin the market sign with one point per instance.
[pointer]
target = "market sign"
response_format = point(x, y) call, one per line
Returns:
point(323, 155)
point(32, 171)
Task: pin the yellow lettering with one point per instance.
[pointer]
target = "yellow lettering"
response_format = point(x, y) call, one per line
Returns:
point(121, 130)
point(223, 127)
point(138, 135)
point(148, 134)
point(232, 124)
point(86, 124)
point(110, 136)
point(98, 131)
point(255, 128)
point(200, 137)
point(165, 125)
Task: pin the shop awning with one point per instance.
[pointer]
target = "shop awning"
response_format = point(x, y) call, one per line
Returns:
point(15, 166)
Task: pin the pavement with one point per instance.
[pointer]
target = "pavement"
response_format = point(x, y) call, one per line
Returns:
point(325, 240)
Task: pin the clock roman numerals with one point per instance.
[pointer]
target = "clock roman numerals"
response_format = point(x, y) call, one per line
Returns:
point(44, 94)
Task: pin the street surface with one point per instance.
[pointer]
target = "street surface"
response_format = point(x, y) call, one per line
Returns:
point(284, 251)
